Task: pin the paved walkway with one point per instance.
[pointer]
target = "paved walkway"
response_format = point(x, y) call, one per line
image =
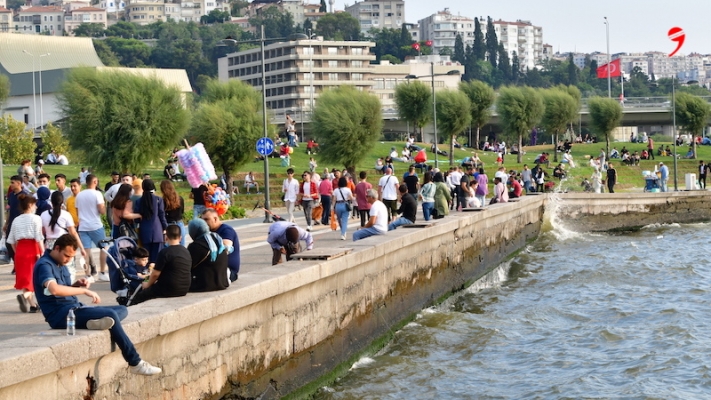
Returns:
point(255, 253)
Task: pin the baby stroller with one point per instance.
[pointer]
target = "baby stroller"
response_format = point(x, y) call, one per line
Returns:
point(118, 257)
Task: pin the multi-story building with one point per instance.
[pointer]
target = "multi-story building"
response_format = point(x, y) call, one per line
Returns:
point(522, 37)
point(144, 12)
point(3, 3)
point(297, 71)
point(38, 19)
point(547, 52)
point(378, 14)
point(5, 20)
point(442, 29)
point(74, 17)
point(663, 66)
point(112, 6)
point(193, 10)
point(414, 30)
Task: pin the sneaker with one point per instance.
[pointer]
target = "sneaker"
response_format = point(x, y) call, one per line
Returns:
point(100, 324)
point(104, 277)
point(33, 309)
point(343, 237)
point(93, 270)
point(24, 304)
point(308, 228)
point(143, 368)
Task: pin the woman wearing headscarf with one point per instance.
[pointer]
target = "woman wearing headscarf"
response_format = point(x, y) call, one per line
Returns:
point(43, 204)
point(153, 222)
point(210, 261)
point(442, 196)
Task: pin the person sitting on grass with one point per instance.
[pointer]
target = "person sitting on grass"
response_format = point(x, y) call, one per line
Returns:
point(56, 296)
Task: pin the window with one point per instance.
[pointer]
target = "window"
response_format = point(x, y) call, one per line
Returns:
point(308, 50)
point(308, 63)
point(357, 64)
point(308, 89)
point(332, 50)
point(358, 51)
point(50, 18)
point(357, 77)
point(332, 64)
point(390, 83)
point(379, 84)
point(332, 77)
point(309, 76)
point(45, 18)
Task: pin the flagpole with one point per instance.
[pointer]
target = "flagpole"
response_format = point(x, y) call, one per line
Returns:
point(622, 86)
point(609, 80)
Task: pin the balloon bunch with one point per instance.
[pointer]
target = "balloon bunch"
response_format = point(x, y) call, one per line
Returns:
point(197, 165)
point(217, 199)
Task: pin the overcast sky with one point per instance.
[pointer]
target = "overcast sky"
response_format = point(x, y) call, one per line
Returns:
point(569, 25)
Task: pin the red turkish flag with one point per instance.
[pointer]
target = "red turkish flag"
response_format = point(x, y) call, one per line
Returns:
point(429, 43)
point(615, 69)
point(416, 46)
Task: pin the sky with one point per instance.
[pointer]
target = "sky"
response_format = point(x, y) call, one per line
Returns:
point(570, 25)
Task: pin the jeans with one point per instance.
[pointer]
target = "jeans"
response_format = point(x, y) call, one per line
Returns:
point(527, 186)
point(198, 210)
point(427, 210)
point(306, 205)
point(399, 222)
point(342, 213)
point(117, 313)
point(482, 199)
point(365, 232)
point(326, 202)
point(664, 184)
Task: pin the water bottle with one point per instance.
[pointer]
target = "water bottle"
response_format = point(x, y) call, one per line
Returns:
point(71, 323)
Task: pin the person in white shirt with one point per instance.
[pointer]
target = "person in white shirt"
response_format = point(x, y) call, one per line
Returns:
point(82, 175)
point(290, 188)
point(90, 206)
point(27, 186)
point(455, 179)
point(111, 193)
point(387, 191)
point(62, 160)
point(378, 222)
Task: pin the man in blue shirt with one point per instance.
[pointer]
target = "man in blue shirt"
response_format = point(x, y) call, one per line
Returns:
point(56, 295)
point(229, 239)
point(664, 172)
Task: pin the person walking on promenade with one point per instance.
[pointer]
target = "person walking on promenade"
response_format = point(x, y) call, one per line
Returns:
point(285, 237)
point(483, 186)
point(90, 206)
point(209, 255)
point(13, 209)
point(611, 177)
point(703, 169)
point(153, 223)
point(290, 188)
point(650, 148)
point(174, 207)
point(57, 222)
point(343, 198)
point(325, 189)
point(427, 193)
point(378, 221)
point(308, 192)
point(387, 191)
point(442, 197)
point(57, 296)
point(360, 193)
point(664, 176)
point(26, 240)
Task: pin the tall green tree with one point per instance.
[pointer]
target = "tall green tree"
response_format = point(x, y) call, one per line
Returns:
point(228, 122)
point(692, 112)
point(405, 36)
point(560, 109)
point(572, 71)
point(4, 88)
point(322, 8)
point(492, 42)
point(515, 68)
point(481, 97)
point(459, 55)
point(479, 47)
point(605, 116)
point(89, 30)
point(504, 64)
point(106, 55)
point(520, 109)
point(348, 122)
point(130, 52)
point(121, 121)
point(414, 104)
point(16, 141)
point(338, 26)
point(277, 24)
point(453, 116)
point(54, 140)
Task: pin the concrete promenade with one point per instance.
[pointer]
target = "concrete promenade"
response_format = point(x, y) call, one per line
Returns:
point(254, 251)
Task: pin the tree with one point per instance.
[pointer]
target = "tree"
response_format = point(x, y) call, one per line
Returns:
point(216, 16)
point(54, 140)
point(277, 24)
point(459, 54)
point(123, 29)
point(560, 109)
point(515, 68)
point(520, 109)
point(405, 36)
point(605, 115)
point(228, 122)
point(89, 30)
point(692, 112)
point(492, 42)
point(322, 8)
point(479, 47)
point(16, 141)
point(338, 26)
point(130, 52)
point(348, 123)
point(504, 64)
point(572, 71)
point(446, 51)
point(4, 88)
point(105, 54)
point(481, 97)
point(453, 116)
point(414, 104)
point(121, 121)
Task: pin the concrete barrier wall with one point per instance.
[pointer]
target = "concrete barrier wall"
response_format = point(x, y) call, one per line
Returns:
point(286, 325)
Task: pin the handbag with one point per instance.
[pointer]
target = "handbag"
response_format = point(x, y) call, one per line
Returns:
point(349, 206)
point(126, 229)
point(334, 223)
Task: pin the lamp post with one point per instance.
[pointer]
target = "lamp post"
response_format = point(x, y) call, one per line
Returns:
point(261, 40)
point(434, 101)
point(676, 186)
point(311, 78)
point(40, 88)
point(34, 91)
point(609, 82)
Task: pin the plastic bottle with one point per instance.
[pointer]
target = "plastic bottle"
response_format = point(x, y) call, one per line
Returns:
point(71, 323)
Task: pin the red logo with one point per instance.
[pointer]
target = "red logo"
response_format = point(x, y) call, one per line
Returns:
point(428, 43)
point(416, 46)
point(677, 35)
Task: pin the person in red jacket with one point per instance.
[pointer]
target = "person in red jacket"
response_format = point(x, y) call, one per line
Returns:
point(308, 193)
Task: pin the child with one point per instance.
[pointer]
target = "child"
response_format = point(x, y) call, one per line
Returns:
point(312, 164)
point(137, 269)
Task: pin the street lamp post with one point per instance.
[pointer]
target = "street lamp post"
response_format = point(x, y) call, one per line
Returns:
point(676, 186)
point(40, 88)
point(609, 82)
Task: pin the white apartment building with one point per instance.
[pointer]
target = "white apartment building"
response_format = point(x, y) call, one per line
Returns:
point(3, 3)
point(663, 66)
point(629, 61)
point(300, 11)
point(414, 30)
point(195, 9)
point(39, 19)
point(378, 14)
point(442, 29)
point(297, 71)
point(112, 6)
point(522, 37)
point(5, 19)
point(82, 15)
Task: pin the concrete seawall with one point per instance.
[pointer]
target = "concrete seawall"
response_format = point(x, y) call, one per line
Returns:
point(286, 325)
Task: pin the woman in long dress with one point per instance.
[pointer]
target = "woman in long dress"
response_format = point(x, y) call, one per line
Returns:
point(442, 196)
point(27, 241)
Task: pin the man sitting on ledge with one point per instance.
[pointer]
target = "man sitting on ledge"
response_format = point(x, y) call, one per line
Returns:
point(407, 210)
point(378, 222)
point(56, 296)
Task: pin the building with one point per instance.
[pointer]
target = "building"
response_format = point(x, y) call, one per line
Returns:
point(112, 6)
point(40, 19)
point(144, 12)
point(442, 29)
point(5, 20)
point(83, 15)
point(3, 4)
point(297, 71)
point(192, 11)
point(378, 14)
point(387, 76)
point(414, 30)
point(547, 53)
point(522, 37)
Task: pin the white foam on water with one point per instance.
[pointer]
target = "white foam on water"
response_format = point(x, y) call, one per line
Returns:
point(363, 362)
point(411, 325)
point(552, 222)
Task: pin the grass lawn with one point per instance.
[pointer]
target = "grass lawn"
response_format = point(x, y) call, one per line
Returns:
point(629, 177)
